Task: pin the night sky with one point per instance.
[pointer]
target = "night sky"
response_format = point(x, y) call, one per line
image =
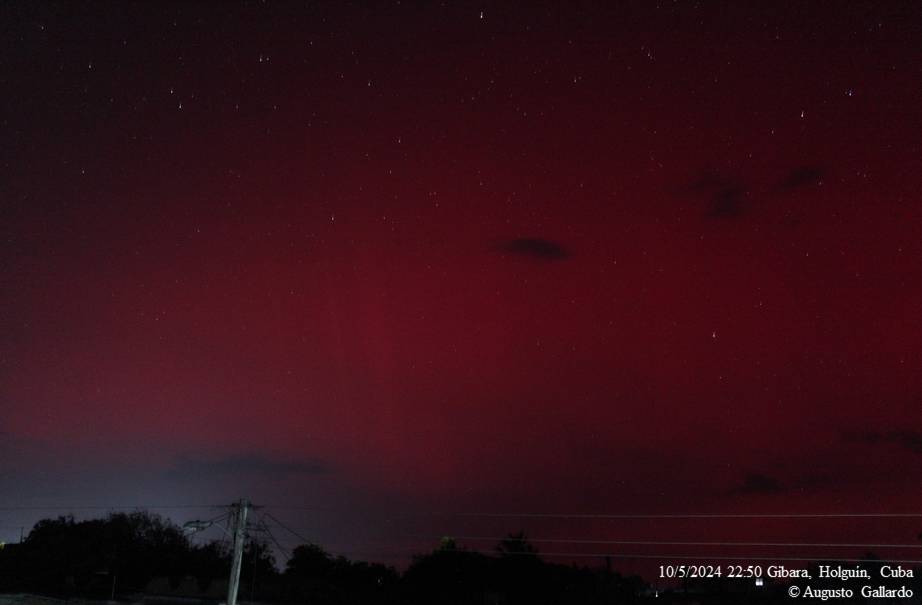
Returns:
point(382, 263)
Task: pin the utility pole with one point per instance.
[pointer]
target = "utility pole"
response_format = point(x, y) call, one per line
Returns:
point(240, 523)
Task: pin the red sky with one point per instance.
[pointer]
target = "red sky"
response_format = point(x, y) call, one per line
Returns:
point(645, 259)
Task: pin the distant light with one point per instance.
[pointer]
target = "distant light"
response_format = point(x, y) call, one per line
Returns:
point(193, 526)
point(759, 582)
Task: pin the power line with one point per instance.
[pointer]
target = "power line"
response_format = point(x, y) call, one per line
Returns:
point(686, 516)
point(112, 507)
point(679, 543)
point(222, 517)
point(672, 557)
point(288, 529)
point(647, 556)
point(880, 515)
point(305, 540)
point(301, 507)
point(883, 515)
point(285, 552)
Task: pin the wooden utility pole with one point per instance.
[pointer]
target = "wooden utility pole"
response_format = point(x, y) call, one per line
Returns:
point(240, 524)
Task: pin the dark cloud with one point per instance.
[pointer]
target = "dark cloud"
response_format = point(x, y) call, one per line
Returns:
point(243, 464)
point(757, 483)
point(728, 202)
point(729, 198)
point(801, 177)
point(540, 249)
point(726, 197)
point(907, 439)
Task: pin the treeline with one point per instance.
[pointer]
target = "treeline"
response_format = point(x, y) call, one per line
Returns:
point(66, 558)
point(129, 553)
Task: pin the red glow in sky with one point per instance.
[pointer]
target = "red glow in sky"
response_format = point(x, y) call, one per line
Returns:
point(649, 258)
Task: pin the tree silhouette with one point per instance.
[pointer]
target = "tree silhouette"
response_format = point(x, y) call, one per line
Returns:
point(309, 561)
point(64, 557)
point(314, 575)
point(448, 574)
point(516, 545)
point(258, 567)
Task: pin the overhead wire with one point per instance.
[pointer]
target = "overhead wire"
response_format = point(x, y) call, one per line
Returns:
point(677, 543)
point(110, 507)
point(261, 523)
point(500, 514)
point(675, 557)
point(683, 515)
point(288, 529)
point(546, 515)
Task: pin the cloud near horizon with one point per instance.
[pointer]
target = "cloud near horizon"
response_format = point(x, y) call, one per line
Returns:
point(244, 463)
